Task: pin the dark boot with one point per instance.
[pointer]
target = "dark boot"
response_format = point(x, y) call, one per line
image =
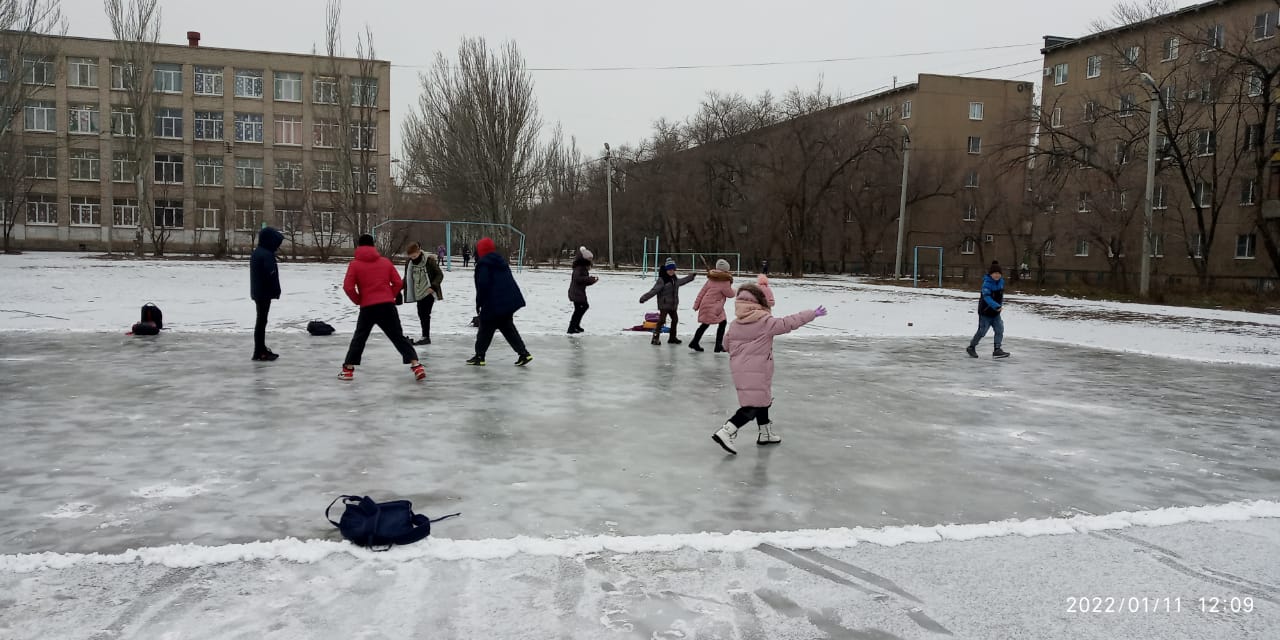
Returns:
point(1000, 353)
point(973, 352)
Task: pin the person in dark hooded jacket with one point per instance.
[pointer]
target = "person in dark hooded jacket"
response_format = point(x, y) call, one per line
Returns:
point(264, 286)
point(498, 298)
point(578, 284)
point(667, 290)
point(990, 306)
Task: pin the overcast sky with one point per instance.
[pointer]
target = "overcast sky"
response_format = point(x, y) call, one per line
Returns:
point(620, 106)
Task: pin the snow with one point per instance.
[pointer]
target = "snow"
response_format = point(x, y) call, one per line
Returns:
point(70, 292)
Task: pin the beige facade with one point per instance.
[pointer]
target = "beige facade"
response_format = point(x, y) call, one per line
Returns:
point(243, 138)
point(1217, 134)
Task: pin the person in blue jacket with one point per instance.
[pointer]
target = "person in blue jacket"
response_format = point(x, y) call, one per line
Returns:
point(498, 298)
point(990, 304)
point(264, 286)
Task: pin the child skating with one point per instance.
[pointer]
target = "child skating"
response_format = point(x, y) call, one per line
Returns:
point(710, 304)
point(372, 283)
point(990, 304)
point(750, 345)
point(667, 288)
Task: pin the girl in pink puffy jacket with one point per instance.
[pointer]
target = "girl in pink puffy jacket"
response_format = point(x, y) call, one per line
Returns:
point(750, 345)
point(710, 304)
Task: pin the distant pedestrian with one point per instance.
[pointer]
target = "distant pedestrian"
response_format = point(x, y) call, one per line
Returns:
point(667, 289)
point(498, 298)
point(750, 344)
point(990, 305)
point(440, 253)
point(372, 283)
point(422, 280)
point(764, 267)
point(264, 286)
point(466, 256)
point(578, 283)
point(710, 304)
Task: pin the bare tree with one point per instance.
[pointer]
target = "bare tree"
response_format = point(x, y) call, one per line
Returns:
point(28, 40)
point(135, 25)
point(1129, 12)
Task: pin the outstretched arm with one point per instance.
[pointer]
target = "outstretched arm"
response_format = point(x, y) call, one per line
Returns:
point(787, 324)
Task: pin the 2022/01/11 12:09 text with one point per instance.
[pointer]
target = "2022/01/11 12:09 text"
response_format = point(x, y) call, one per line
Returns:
point(1135, 604)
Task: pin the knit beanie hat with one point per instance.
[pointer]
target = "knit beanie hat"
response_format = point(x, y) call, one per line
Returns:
point(752, 293)
point(485, 247)
point(669, 264)
point(582, 251)
point(994, 268)
point(722, 264)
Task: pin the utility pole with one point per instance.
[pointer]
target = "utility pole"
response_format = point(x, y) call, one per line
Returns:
point(608, 189)
point(902, 203)
point(1144, 282)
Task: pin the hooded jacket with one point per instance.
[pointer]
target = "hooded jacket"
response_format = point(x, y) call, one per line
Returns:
point(497, 294)
point(371, 279)
point(264, 272)
point(710, 301)
point(580, 280)
point(667, 288)
point(421, 276)
point(992, 297)
point(750, 344)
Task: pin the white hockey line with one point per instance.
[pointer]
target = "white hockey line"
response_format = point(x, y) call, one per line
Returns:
point(307, 551)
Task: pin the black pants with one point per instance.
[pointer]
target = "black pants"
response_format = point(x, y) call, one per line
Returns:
point(387, 318)
point(662, 319)
point(579, 310)
point(466, 261)
point(745, 414)
point(260, 327)
point(424, 314)
point(702, 328)
point(505, 324)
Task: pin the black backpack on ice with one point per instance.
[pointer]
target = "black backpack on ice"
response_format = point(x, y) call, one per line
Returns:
point(318, 328)
point(151, 323)
point(381, 524)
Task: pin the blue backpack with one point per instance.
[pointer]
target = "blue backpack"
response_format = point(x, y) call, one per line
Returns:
point(381, 524)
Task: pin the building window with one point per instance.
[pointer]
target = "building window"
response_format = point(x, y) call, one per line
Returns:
point(123, 122)
point(169, 123)
point(4, 73)
point(1249, 192)
point(208, 81)
point(1157, 245)
point(975, 145)
point(1252, 137)
point(906, 110)
point(249, 172)
point(168, 214)
point(1131, 56)
point(1060, 74)
point(248, 219)
point(209, 125)
point(42, 163)
point(82, 72)
point(124, 213)
point(1090, 111)
point(1169, 96)
point(1127, 105)
point(364, 137)
point(1164, 146)
point(1253, 84)
point(288, 86)
point(290, 221)
point(168, 78)
point(1093, 67)
point(208, 171)
point(248, 83)
point(1246, 246)
point(1047, 248)
point(85, 118)
point(975, 110)
point(1158, 197)
point(1208, 92)
point(968, 247)
point(368, 182)
point(1216, 36)
point(1122, 153)
point(85, 212)
point(123, 75)
point(1206, 142)
point(123, 168)
point(41, 115)
point(38, 71)
point(168, 168)
point(970, 212)
point(971, 179)
point(207, 216)
point(85, 165)
point(248, 127)
point(1169, 50)
point(1197, 246)
point(326, 176)
point(325, 133)
point(1082, 248)
point(364, 92)
point(1204, 194)
point(1264, 25)
point(1083, 206)
point(289, 130)
point(288, 175)
point(324, 90)
point(325, 220)
point(42, 209)
point(1055, 119)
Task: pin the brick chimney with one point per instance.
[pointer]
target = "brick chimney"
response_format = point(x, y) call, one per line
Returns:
point(193, 39)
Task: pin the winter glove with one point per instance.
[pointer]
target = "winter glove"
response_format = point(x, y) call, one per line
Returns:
point(820, 311)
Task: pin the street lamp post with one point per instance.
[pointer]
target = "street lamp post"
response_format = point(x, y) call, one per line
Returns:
point(1144, 282)
point(608, 189)
point(902, 203)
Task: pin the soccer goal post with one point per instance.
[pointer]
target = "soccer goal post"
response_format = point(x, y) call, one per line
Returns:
point(448, 244)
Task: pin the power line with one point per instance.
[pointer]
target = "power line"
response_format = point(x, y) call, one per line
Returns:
point(741, 65)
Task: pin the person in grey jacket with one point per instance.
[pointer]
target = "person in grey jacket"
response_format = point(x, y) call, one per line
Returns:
point(667, 289)
point(578, 284)
point(422, 279)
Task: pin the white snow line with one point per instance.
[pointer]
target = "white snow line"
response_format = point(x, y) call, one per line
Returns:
point(309, 551)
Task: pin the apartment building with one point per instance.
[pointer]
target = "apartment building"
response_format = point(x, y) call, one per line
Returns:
point(241, 139)
point(1218, 132)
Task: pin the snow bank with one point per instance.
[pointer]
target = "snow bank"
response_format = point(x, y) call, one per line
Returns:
point(308, 551)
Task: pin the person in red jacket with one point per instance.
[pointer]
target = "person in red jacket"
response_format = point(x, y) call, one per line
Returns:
point(372, 282)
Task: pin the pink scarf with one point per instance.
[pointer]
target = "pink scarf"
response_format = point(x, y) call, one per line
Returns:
point(748, 311)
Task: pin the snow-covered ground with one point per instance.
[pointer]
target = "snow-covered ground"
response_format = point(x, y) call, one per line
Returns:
point(169, 488)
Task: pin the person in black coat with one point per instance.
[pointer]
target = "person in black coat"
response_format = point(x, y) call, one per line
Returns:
point(578, 284)
point(498, 298)
point(264, 286)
